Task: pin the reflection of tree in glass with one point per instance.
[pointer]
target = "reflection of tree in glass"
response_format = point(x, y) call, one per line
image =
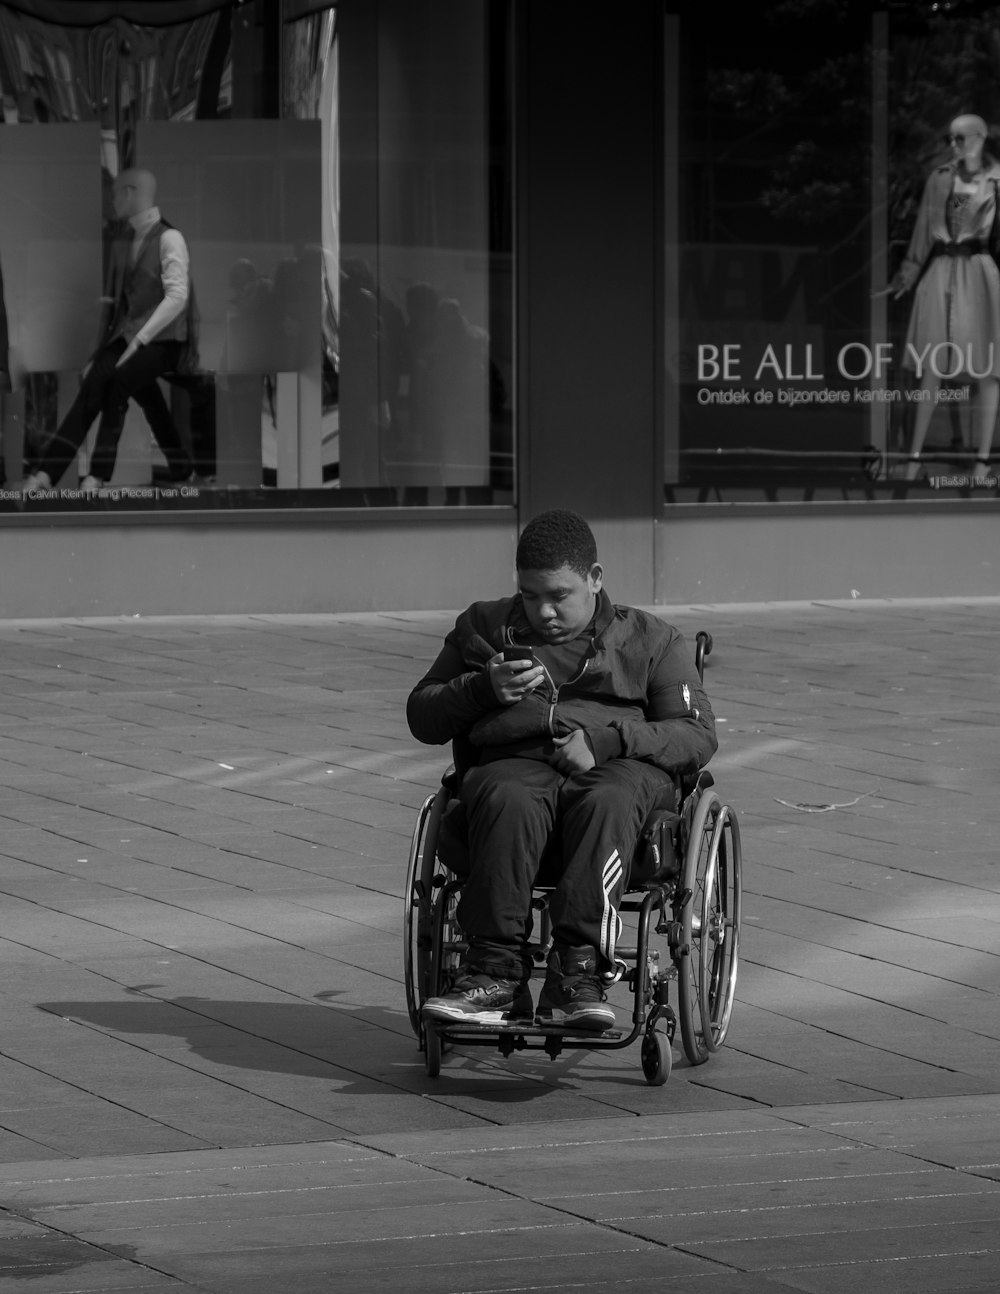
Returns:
point(116, 72)
point(801, 117)
point(945, 60)
point(813, 116)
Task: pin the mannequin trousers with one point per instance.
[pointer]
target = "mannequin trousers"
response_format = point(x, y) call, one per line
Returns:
point(106, 391)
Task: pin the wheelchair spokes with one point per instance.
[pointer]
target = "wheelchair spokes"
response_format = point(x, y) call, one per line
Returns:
point(711, 900)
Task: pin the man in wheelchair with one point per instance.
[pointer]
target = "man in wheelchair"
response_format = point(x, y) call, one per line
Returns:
point(570, 718)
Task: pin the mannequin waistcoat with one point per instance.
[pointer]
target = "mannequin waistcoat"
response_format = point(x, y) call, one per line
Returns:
point(142, 291)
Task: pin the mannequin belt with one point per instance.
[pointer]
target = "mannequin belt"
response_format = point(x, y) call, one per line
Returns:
point(972, 248)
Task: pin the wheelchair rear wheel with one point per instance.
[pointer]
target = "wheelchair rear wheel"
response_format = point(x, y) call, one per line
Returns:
point(710, 899)
point(418, 907)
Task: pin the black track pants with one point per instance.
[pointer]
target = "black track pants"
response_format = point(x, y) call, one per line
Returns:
point(513, 808)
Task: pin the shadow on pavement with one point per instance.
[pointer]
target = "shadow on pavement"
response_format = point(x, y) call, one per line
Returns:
point(280, 1037)
point(327, 1042)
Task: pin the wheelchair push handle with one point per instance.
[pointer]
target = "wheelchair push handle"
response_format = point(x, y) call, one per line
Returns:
point(702, 648)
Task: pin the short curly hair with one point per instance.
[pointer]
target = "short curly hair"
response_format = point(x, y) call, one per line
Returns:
point(555, 539)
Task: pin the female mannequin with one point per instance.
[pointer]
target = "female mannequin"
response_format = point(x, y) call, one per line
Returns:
point(957, 296)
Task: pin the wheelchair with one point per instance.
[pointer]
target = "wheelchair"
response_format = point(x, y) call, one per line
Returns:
point(684, 897)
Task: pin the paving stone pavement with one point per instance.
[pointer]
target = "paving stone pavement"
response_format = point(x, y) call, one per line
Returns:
point(207, 1077)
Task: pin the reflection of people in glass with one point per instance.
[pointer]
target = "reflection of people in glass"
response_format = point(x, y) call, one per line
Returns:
point(457, 387)
point(955, 320)
point(251, 332)
point(4, 342)
point(145, 336)
point(296, 305)
point(422, 300)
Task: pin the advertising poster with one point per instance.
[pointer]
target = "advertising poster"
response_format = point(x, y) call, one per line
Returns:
point(244, 408)
point(833, 298)
point(50, 246)
point(247, 197)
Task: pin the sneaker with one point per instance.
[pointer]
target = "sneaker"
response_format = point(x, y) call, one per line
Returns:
point(573, 993)
point(36, 481)
point(91, 485)
point(481, 999)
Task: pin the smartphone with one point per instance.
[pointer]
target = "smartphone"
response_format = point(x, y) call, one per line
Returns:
point(518, 653)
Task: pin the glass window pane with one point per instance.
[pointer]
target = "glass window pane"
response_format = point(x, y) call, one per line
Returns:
point(341, 178)
point(808, 355)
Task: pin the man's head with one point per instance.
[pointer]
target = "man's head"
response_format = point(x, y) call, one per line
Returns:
point(134, 192)
point(558, 574)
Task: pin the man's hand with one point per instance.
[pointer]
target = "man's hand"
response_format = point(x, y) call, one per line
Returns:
point(572, 754)
point(131, 349)
point(513, 679)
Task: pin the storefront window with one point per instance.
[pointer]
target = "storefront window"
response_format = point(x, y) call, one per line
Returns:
point(340, 174)
point(832, 321)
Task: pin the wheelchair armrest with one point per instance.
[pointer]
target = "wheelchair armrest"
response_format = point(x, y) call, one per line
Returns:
point(688, 783)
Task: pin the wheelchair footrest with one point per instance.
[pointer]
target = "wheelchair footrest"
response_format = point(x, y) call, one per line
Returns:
point(520, 1028)
point(533, 1037)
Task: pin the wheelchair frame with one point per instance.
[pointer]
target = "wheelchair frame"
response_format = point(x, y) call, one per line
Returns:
point(687, 930)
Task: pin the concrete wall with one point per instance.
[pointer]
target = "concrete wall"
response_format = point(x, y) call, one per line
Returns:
point(902, 553)
point(415, 561)
point(407, 562)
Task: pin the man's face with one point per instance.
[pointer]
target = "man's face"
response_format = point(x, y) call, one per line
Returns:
point(559, 604)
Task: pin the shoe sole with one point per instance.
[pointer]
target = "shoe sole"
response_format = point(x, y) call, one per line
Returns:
point(494, 1016)
point(475, 1017)
point(593, 1021)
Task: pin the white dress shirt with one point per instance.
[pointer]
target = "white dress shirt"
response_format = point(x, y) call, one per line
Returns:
point(174, 272)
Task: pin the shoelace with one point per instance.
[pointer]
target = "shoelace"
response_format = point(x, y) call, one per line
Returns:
point(573, 983)
point(468, 984)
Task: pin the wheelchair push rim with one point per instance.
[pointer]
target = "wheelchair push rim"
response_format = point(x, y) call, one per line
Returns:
point(710, 898)
point(417, 909)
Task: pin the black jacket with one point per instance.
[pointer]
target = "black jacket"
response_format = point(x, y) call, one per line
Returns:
point(637, 694)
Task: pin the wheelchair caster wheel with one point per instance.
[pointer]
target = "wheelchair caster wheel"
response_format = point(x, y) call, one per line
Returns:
point(657, 1060)
point(432, 1052)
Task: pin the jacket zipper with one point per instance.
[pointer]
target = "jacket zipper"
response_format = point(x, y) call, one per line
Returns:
point(550, 718)
point(556, 690)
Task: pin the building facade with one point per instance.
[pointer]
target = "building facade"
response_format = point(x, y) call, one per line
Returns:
point(457, 261)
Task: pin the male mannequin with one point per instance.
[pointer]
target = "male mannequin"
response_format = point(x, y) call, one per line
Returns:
point(146, 331)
